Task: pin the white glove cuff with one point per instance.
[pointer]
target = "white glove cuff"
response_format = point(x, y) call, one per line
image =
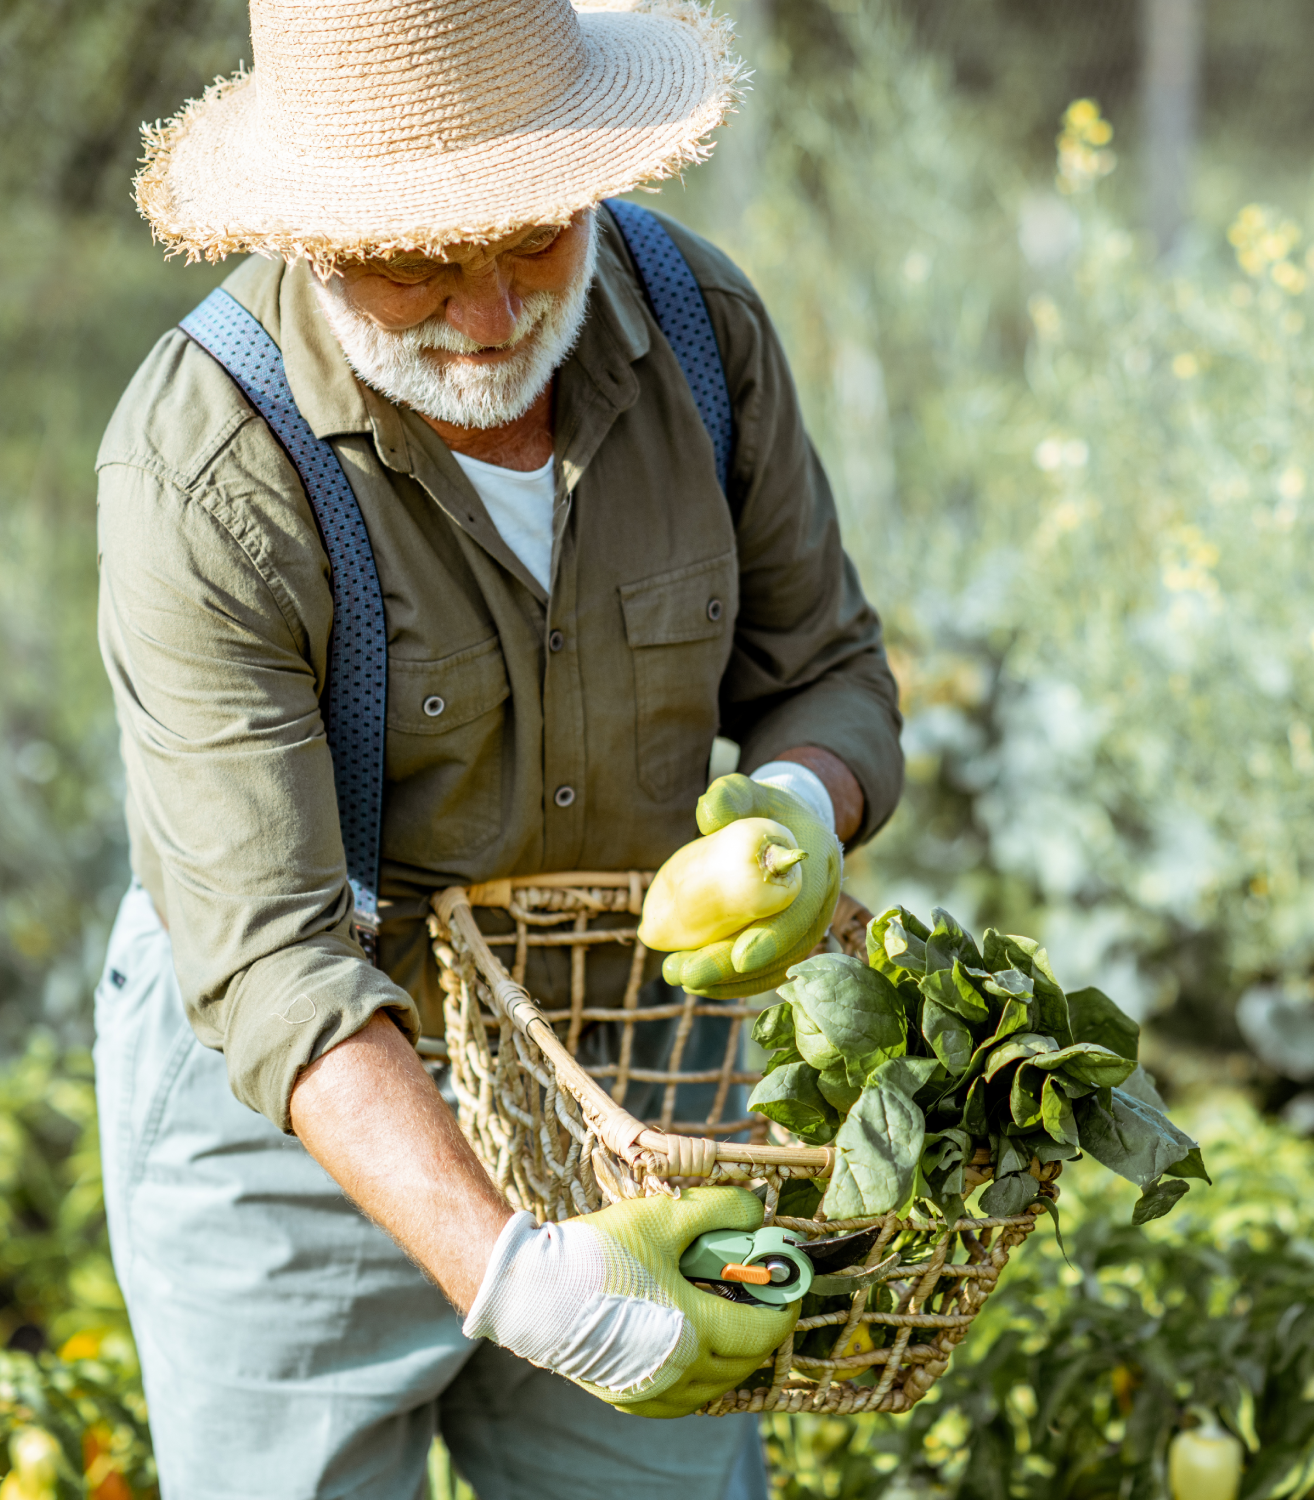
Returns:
point(806, 785)
point(515, 1236)
point(548, 1296)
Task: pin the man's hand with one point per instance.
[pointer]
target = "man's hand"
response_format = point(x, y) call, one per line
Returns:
point(371, 1117)
point(600, 1299)
point(758, 958)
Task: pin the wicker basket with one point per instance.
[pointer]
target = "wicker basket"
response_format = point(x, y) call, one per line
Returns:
point(559, 1143)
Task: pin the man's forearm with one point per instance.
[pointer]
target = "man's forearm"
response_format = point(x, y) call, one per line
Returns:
point(845, 793)
point(370, 1115)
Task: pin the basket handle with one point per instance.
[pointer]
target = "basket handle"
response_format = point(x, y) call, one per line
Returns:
point(619, 1131)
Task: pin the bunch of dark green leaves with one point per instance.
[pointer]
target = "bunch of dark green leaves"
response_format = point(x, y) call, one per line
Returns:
point(936, 1049)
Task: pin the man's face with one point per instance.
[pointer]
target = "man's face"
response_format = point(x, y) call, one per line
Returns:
point(471, 339)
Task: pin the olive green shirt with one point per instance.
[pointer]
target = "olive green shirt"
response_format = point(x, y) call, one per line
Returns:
point(575, 729)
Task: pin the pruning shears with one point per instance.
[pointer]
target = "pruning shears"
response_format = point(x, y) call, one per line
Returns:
point(772, 1267)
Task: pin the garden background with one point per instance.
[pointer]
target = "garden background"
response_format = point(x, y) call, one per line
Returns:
point(1065, 391)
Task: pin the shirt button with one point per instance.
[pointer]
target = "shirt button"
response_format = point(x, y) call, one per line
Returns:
point(433, 706)
point(564, 796)
point(714, 610)
point(556, 641)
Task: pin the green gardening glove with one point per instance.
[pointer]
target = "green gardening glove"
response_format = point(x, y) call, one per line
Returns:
point(758, 958)
point(600, 1299)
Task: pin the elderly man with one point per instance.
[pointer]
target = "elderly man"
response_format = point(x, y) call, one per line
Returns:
point(577, 585)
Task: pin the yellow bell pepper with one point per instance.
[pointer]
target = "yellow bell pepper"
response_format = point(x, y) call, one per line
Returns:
point(758, 958)
point(1204, 1463)
point(721, 883)
point(858, 1340)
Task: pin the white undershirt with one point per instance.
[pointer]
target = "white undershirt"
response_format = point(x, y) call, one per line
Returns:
point(520, 506)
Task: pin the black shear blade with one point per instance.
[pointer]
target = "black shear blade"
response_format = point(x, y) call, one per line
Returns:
point(844, 1250)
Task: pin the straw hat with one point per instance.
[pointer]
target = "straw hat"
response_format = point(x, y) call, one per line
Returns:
point(372, 126)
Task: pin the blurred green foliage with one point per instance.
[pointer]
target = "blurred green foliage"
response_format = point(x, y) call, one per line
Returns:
point(77, 78)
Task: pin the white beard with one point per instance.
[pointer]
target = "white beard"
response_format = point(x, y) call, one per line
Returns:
point(397, 363)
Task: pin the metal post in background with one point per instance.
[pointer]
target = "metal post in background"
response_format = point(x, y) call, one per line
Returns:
point(1172, 48)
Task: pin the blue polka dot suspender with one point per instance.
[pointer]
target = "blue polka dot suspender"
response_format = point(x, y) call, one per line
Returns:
point(677, 304)
point(358, 647)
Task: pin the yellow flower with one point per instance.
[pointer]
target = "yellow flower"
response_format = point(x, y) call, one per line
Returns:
point(1083, 157)
point(1290, 278)
point(84, 1345)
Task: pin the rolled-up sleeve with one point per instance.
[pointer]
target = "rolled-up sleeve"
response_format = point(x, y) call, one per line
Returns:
point(217, 677)
point(808, 666)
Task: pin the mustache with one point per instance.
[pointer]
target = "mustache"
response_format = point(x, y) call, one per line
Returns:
point(436, 333)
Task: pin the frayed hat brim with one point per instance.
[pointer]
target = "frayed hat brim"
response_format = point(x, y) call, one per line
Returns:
point(655, 80)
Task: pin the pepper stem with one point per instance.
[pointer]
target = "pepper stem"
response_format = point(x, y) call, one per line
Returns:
point(777, 861)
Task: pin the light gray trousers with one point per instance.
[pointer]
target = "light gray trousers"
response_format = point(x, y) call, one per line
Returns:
point(290, 1351)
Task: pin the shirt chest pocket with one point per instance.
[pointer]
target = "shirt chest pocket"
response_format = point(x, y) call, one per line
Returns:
point(679, 627)
point(446, 720)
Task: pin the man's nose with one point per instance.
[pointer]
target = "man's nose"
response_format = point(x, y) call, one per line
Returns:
point(483, 307)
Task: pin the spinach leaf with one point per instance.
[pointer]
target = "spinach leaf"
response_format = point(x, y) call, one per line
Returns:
point(952, 989)
point(844, 1014)
point(1095, 1018)
point(781, 1059)
point(1049, 1150)
point(1056, 1112)
point(1029, 1044)
point(974, 1109)
point(911, 1074)
point(774, 1027)
point(790, 1096)
point(1088, 1062)
point(1051, 1208)
point(943, 1162)
point(1010, 984)
point(1191, 1165)
point(949, 942)
point(800, 1197)
point(1009, 1154)
point(896, 944)
point(1024, 1097)
point(1008, 1195)
point(836, 1089)
point(1009, 951)
point(1130, 1137)
point(876, 1152)
point(1157, 1199)
point(1015, 1016)
point(948, 1036)
point(1140, 1085)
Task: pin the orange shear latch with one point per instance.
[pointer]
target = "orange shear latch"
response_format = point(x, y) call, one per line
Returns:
point(754, 1275)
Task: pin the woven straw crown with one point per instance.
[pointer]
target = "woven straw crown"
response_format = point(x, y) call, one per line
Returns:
point(371, 126)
